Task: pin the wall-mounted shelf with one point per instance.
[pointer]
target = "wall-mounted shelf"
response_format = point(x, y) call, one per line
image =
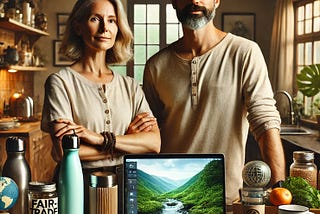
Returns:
point(20, 31)
point(11, 24)
point(23, 68)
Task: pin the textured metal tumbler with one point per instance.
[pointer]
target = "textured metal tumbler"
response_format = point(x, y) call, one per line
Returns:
point(103, 193)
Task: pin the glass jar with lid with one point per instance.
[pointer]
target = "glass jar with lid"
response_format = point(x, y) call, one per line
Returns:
point(303, 166)
point(42, 198)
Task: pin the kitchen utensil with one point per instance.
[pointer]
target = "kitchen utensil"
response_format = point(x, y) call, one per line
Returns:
point(20, 106)
point(11, 55)
point(8, 123)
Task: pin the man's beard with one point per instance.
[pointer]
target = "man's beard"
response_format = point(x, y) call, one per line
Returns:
point(195, 21)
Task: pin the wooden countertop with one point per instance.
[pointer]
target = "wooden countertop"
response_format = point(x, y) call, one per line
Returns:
point(25, 129)
point(309, 141)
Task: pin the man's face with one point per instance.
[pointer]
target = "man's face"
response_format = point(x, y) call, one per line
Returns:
point(194, 16)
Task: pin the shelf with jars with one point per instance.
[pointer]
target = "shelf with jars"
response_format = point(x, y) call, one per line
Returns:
point(24, 36)
point(16, 26)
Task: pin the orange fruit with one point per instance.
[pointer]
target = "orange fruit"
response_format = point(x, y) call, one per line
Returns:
point(280, 196)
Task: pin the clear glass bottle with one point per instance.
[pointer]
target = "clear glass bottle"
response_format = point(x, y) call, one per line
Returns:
point(42, 198)
point(303, 166)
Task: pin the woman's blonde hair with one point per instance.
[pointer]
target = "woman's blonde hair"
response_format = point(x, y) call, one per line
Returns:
point(73, 46)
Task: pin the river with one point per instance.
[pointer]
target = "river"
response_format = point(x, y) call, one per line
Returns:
point(172, 206)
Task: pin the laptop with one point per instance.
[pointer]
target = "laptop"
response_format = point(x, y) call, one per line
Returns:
point(174, 183)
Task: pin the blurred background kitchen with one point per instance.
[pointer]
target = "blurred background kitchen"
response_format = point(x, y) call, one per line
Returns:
point(287, 31)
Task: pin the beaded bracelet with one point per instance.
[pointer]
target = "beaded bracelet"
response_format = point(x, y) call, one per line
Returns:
point(109, 143)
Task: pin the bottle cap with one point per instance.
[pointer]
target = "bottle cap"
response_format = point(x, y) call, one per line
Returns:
point(103, 179)
point(14, 144)
point(70, 141)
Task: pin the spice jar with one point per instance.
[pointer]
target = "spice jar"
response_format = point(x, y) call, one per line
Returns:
point(42, 198)
point(303, 166)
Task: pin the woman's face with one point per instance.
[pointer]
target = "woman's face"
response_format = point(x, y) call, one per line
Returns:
point(100, 29)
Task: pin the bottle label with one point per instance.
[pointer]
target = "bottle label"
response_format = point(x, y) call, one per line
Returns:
point(43, 206)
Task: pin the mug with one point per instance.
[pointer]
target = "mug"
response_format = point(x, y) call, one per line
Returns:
point(293, 209)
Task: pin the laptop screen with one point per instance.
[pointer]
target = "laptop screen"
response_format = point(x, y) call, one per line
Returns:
point(174, 183)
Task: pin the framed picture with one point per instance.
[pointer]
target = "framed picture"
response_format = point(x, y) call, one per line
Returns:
point(58, 59)
point(61, 28)
point(241, 24)
point(62, 18)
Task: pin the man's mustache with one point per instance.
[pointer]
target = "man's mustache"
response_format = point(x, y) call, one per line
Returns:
point(192, 7)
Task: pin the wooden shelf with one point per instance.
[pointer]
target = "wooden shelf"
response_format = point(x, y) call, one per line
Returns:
point(23, 68)
point(20, 30)
point(11, 24)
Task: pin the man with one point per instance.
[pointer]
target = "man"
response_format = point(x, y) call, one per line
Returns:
point(208, 88)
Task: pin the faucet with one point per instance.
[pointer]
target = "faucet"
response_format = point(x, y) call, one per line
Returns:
point(291, 113)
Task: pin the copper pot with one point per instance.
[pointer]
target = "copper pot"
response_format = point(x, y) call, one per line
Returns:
point(20, 106)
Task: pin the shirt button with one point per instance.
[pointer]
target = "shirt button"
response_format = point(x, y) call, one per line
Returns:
point(108, 122)
point(105, 100)
point(107, 111)
point(100, 89)
point(194, 62)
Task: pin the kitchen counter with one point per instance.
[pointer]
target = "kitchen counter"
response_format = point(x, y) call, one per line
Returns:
point(25, 129)
point(309, 141)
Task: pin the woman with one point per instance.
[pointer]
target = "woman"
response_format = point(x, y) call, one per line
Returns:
point(106, 110)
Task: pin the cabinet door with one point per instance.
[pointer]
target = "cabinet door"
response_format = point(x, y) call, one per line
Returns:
point(41, 163)
point(3, 153)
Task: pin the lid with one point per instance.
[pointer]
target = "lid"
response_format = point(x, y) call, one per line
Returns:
point(303, 155)
point(42, 187)
point(103, 179)
point(70, 141)
point(14, 144)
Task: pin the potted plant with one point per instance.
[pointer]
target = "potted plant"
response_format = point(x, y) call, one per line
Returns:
point(308, 81)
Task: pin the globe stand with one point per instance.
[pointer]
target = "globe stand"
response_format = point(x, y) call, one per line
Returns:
point(256, 175)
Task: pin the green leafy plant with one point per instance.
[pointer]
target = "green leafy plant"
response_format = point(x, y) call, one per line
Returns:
point(308, 80)
point(302, 192)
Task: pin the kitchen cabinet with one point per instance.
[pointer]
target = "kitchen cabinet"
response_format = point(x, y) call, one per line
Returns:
point(38, 149)
point(13, 33)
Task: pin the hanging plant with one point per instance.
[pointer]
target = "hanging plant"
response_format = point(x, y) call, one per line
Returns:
point(308, 80)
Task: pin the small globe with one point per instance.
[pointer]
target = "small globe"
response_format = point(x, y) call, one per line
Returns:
point(256, 173)
point(9, 193)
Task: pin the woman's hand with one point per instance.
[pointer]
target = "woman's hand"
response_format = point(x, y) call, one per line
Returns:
point(142, 123)
point(64, 126)
point(90, 141)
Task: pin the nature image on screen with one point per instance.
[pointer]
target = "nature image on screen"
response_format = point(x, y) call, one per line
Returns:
point(171, 187)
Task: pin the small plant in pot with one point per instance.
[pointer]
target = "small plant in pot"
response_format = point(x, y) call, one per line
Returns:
point(308, 82)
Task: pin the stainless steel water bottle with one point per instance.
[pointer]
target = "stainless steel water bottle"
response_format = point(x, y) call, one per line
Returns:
point(70, 187)
point(17, 168)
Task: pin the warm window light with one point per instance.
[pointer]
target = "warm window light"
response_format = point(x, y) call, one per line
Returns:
point(12, 70)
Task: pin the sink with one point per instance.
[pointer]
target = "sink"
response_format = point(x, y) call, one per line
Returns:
point(293, 130)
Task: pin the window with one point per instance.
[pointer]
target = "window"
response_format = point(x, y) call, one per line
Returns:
point(307, 40)
point(307, 30)
point(154, 26)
